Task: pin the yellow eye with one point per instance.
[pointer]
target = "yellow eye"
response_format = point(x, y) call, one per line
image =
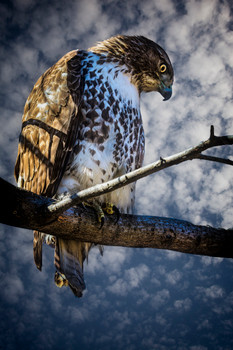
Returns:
point(163, 68)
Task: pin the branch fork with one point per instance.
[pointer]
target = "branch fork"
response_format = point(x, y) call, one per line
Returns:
point(163, 163)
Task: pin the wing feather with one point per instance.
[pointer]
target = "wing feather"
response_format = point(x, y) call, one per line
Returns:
point(49, 128)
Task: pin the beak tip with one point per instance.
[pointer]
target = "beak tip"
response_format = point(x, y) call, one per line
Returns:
point(166, 92)
point(167, 95)
point(166, 98)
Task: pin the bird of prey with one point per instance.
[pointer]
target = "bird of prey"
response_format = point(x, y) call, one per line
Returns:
point(82, 126)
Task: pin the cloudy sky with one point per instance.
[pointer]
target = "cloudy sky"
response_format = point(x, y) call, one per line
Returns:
point(135, 298)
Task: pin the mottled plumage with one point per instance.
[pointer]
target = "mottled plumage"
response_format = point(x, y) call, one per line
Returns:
point(82, 126)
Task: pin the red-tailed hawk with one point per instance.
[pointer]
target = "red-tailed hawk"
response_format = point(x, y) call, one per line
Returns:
point(82, 126)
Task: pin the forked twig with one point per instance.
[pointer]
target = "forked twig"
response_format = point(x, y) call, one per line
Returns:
point(163, 163)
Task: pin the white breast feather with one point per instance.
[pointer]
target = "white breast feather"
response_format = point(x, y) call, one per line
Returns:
point(87, 172)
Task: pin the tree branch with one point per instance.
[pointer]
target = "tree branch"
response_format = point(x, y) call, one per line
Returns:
point(26, 209)
point(163, 163)
point(215, 159)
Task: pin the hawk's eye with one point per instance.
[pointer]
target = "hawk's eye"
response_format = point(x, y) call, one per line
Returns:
point(163, 68)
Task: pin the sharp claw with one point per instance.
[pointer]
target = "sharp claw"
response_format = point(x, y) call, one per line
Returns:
point(117, 212)
point(60, 279)
point(108, 208)
point(101, 222)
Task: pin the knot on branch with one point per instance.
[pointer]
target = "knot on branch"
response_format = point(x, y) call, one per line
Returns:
point(163, 161)
point(212, 136)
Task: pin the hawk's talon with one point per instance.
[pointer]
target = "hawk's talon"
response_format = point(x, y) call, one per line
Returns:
point(111, 209)
point(60, 280)
point(117, 212)
point(101, 222)
point(107, 208)
point(50, 240)
point(97, 209)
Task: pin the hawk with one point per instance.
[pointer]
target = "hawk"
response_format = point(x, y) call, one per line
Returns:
point(82, 126)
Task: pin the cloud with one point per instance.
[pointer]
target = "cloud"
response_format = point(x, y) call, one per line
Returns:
point(213, 292)
point(173, 277)
point(160, 298)
point(138, 297)
point(208, 260)
point(183, 305)
point(133, 279)
point(198, 347)
point(12, 288)
point(112, 261)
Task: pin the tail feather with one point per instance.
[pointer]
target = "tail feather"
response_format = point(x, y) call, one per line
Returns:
point(68, 259)
point(37, 249)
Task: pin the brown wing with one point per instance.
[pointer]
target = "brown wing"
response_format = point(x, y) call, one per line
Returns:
point(49, 128)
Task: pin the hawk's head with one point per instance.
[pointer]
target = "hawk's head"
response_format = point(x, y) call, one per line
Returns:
point(146, 61)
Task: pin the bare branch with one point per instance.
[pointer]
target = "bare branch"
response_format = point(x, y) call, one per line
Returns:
point(163, 163)
point(26, 209)
point(215, 159)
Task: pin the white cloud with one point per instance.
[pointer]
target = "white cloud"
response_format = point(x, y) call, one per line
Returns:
point(77, 315)
point(209, 293)
point(173, 277)
point(200, 11)
point(172, 255)
point(207, 260)
point(183, 305)
point(200, 45)
point(160, 298)
point(111, 262)
point(198, 347)
point(132, 279)
point(205, 324)
point(135, 275)
point(12, 288)
point(206, 69)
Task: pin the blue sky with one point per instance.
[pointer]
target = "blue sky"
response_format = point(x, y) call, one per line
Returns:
point(135, 298)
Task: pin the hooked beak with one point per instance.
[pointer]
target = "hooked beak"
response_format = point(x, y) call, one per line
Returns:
point(165, 91)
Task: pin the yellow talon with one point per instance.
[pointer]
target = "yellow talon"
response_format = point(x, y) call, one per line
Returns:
point(108, 208)
point(60, 280)
point(109, 211)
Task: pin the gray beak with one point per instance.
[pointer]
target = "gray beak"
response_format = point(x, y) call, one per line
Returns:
point(165, 91)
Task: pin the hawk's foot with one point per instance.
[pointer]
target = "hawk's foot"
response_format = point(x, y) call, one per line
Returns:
point(60, 280)
point(50, 240)
point(111, 209)
point(100, 210)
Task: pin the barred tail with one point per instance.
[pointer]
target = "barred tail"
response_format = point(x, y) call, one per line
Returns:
point(37, 249)
point(68, 259)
